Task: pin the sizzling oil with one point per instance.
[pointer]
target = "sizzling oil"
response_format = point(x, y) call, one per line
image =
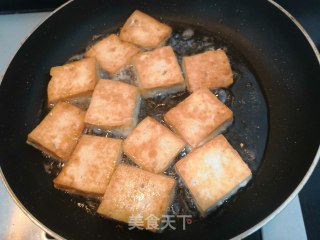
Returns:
point(247, 134)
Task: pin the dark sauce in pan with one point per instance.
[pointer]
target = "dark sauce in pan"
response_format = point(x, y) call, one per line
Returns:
point(247, 134)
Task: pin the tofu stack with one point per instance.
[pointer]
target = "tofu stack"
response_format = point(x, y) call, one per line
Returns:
point(199, 117)
point(89, 169)
point(114, 106)
point(144, 31)
point(72, 81)
point(59, 132)
point(135, 192)
point(152, 146)
point(111, 53)
point(212, 171)
point(210, 69)
point(158, 72)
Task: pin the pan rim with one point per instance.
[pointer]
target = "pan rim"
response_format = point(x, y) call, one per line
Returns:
point(11, 193)
point(317, 156)
point(241, 235)
point(298, 24)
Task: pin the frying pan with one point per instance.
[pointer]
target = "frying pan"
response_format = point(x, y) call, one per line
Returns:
point(279, 53)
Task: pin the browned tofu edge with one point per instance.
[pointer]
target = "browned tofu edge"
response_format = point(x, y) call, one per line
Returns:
point(220, 129)
point(203, 212)
point(115, 71)
point(43, 149)
point(74, 97)
point(72, 190)
point(121, 129)
point(170, 200)
point(38, 146)
point(127, 22)
point(186, 76)
point(134, 159)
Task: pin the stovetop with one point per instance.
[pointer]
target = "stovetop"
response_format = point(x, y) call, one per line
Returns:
point(297, 221)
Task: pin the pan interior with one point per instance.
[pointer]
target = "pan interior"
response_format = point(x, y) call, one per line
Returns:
point(247, 134)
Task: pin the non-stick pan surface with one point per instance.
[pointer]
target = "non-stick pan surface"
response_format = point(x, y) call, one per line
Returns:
point(279, 55)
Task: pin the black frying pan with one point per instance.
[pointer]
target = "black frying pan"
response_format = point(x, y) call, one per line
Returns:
point(281, 64)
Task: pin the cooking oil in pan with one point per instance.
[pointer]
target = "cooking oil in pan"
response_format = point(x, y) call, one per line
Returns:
point(247, 134)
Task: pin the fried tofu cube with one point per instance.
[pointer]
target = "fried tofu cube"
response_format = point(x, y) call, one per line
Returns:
point(199, 117)
point(133, 192)
point(72, 80)
point(210, 69)
point(144, 31)
point(58, 133)
point(112, 53)
point(114, 106)
point(212, 173)
point(152, 146)
point(158, 71)
point(90, 166)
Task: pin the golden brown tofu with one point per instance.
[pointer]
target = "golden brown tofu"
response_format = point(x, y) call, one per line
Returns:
point(112, 53)
point(114, 106)
point(133, 191)
point(213, 172)
point(152, 146)
point(90, 166)
point(210, 69)
point(158, 72)
point(58, 133)
point(72, 80)
point(199, 117)
point(144, 31)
